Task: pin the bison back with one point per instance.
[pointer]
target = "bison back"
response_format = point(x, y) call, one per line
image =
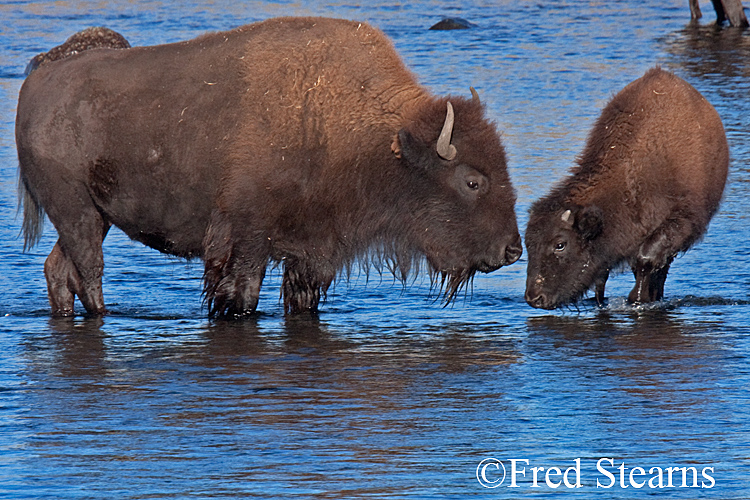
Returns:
point(658, 142)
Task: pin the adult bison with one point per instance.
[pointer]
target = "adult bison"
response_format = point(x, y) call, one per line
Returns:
point(303, 142)
point(647, 184)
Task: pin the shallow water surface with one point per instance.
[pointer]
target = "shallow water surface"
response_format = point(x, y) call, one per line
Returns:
point(387, 394)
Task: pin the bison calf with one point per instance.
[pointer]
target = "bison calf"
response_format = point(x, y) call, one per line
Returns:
point(299, 142)
point(645, 188)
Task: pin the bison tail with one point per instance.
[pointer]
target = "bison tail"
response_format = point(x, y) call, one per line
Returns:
point(33, 216)
point(90, 38)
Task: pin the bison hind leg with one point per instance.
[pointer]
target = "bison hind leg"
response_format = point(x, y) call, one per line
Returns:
point(63, 282)
point(302, 287)
point(76, 263)
point(649, 282)
point(651, 264)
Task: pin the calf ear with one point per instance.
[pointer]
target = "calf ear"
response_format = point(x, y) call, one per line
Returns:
point(590, 222)
point(411, 149)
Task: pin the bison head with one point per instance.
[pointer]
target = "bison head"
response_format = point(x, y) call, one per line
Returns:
point(563, 251)
point(462, 216)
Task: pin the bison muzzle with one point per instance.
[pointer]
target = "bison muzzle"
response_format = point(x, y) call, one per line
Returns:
point(298, 142)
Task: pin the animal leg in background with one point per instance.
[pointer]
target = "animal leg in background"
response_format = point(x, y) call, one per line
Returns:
point(730, 10)
point(76, 264)
point(302, 287)
point(695, 10)
point(656, 254)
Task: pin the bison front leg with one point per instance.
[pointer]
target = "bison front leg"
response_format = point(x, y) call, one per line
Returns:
point(599, 285)
point(235, 295)
point(695, 10)
point(302, 287)
point(232, 287)
point(233, 272)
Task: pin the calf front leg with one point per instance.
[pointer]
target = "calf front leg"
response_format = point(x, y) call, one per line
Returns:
point(599, 284)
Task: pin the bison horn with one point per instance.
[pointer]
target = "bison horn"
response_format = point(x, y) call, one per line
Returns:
point(566, 216)
point(474, 95)
point(445, 149)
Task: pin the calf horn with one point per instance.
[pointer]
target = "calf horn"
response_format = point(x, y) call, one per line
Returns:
point(474, 95)
point(445, 149)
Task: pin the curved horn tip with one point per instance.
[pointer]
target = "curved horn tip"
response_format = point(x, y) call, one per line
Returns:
point(450, 154)
point(474, 95)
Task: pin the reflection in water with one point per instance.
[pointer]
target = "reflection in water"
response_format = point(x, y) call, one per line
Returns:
point(709, 51)
point(77, 346)
point(717, 60)
point(243, 407)
point(645, 359)
point(233, 402)
point(645, 380)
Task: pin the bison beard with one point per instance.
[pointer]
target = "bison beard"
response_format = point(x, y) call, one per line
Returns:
point(302, 143)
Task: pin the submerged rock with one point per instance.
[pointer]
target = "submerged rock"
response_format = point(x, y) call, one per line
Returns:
point(453, 23)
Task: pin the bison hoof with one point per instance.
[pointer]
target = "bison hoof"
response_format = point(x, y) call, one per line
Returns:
point(63, 313)
point(233, 314)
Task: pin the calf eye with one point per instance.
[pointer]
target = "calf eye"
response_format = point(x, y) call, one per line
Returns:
point(560, 246)
point(473, 185)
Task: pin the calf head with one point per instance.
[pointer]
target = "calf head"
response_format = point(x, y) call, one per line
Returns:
point(563, 245)
point(462, 215)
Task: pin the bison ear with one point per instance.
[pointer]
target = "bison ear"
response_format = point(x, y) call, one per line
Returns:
point(411, 149)
point(589, 222)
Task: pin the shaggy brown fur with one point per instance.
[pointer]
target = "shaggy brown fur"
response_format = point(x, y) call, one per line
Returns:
point(302, 142)
point(90, 38)
point(645, 188)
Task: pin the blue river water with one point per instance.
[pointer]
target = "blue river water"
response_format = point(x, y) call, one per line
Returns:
point(387, 394)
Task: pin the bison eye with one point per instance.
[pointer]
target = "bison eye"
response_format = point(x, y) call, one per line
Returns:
point(469, 182)
point(560, 246)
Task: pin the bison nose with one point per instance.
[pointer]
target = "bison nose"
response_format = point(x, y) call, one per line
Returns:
point(513, 251)
point(537, 300)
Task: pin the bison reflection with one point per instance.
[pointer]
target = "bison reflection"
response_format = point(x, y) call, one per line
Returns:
point(303, 142)
point(648, 182)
